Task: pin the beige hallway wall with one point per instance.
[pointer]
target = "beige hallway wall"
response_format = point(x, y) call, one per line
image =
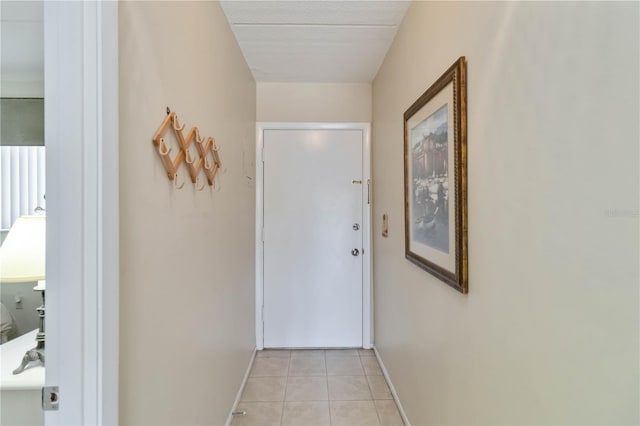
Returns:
point(548, 333)
point(314, 102)
point(187, 258)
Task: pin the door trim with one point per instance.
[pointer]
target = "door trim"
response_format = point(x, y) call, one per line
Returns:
point(367, 191)
point(81, 131)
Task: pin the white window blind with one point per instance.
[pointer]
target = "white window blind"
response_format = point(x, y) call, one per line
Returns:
point(22, 182)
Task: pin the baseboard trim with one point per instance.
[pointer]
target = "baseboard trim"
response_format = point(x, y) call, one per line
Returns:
point(405, 419)
point(242, 385)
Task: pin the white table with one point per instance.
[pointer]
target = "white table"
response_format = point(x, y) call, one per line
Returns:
point(20, 394)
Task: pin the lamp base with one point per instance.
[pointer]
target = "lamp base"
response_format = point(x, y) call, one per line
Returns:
point(37, 353)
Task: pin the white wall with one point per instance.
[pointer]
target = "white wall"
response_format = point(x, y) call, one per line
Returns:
point(549, 332)
point(314, 102)
point(25, 316)
point(187, 287)
point(21, 49)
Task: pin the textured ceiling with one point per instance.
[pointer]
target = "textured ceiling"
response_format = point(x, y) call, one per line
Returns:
point(314, 41)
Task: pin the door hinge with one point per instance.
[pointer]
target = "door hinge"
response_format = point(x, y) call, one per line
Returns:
point(262, 152)
point(50, 398)
point(368, 191)
point(263, 235)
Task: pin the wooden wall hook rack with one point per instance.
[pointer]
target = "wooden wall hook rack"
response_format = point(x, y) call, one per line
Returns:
point(207, 158)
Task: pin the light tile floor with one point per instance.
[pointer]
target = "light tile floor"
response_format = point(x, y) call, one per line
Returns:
point(341, 387)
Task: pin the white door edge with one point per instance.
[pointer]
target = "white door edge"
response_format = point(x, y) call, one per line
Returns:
point(367, 290)
point(81, 130)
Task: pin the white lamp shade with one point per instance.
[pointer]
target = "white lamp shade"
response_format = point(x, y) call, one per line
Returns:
point(22, 255)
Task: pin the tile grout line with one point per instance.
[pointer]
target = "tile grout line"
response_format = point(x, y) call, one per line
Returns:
point(373, 400)
point(375, 406)
point(326, 376)
point(286, 384)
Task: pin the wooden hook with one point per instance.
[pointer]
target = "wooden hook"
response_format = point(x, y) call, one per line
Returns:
point(201, 187)
point(188, 158)
point(207, 165)
point(162, 148)
point(175, 182)
point(217, 186)
point(176, 123)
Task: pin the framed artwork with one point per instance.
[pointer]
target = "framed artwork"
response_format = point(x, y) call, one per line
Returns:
point(435, 179)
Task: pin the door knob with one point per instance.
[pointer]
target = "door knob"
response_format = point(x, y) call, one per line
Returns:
point(356, 226)
point(355, 252)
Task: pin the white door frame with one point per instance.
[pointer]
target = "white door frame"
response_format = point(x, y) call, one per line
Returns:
point(81, 133)
point(367, 191)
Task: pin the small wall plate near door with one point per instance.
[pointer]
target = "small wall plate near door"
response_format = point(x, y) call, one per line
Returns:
point(385, 225)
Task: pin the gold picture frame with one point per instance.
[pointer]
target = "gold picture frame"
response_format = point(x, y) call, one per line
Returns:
point(435, 137)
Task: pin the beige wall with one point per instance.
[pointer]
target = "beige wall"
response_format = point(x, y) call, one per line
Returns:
point(309, 102)
point(187, 258)
point(548, 333)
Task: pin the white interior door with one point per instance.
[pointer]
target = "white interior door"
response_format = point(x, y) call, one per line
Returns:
point(313, 270)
